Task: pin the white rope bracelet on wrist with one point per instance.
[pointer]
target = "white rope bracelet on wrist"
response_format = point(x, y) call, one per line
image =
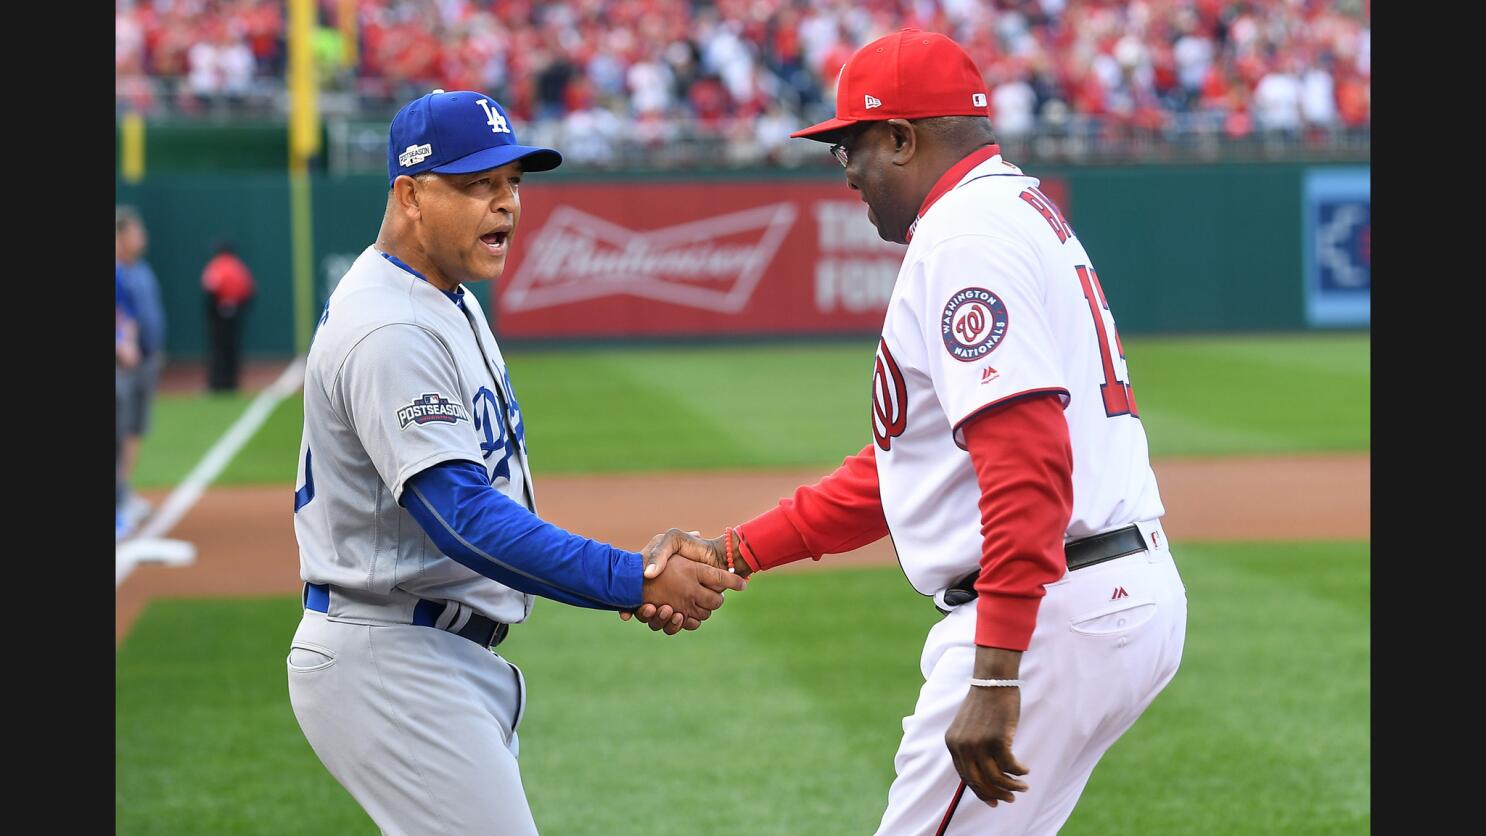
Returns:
point(997, 683)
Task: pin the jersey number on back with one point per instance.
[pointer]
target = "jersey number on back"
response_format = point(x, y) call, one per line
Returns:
point(1119, 398)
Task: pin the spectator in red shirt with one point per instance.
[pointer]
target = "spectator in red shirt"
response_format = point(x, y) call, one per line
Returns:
point(709, 101)
point(1353, 98)
point(228, 285)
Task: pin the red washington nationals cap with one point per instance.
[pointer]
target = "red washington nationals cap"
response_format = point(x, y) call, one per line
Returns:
point(907, 75)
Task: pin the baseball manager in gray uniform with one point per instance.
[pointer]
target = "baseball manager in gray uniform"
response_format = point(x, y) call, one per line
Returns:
point(419, 542)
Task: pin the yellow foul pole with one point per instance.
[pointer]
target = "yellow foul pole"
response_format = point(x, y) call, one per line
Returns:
point(304, 143)
point(132, 164)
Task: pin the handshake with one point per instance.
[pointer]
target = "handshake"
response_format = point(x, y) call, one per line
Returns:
point(682, 593)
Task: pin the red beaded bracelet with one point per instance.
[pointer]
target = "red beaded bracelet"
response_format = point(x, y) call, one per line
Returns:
point(727, 535)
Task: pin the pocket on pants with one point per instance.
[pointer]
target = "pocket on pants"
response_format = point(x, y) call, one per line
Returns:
point(520, 697)
point(308, 657)
point(1124, 617)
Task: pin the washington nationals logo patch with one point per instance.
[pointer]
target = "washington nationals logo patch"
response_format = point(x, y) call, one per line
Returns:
point(973, 324)
point(432, 408)
point(889, 398)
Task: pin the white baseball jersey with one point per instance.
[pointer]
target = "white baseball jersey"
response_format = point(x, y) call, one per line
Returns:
point(996, 299)
point(400, 378)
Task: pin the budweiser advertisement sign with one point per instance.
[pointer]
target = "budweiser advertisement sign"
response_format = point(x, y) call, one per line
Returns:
point(709, 264)
point(696, 259)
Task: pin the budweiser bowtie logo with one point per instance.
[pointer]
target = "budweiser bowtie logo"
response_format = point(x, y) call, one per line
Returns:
point(713, 263)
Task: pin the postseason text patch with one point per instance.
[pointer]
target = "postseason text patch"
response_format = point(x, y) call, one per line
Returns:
point(431, 408)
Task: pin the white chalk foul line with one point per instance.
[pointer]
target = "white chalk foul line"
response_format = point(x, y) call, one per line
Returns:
point(136, 549)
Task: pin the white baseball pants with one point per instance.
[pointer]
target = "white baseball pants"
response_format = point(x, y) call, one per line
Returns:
point(1108, 639)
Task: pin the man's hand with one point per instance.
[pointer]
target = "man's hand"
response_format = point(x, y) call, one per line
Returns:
point(126, 355)
point(689, 544)
point(687, 589)
point(979, 739)
point(658, 552)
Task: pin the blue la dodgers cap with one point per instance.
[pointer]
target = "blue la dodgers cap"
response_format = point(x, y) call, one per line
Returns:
point(458, 133)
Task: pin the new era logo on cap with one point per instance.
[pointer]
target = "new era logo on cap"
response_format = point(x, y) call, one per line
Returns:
point(978, 99)
point(873, 101)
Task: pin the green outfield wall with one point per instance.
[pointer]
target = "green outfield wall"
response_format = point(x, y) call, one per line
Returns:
point(1179, 248)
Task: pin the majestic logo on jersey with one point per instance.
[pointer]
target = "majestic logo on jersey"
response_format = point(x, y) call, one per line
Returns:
point(432, 408)
point(873, 101)
point(989, 374)
point(889, 398)
point(713, 264)
point(414, 155)
point(973, 324)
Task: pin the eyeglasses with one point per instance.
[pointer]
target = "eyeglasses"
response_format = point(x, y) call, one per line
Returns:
point(839, 149)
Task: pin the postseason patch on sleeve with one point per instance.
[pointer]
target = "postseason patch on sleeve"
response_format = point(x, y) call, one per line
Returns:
point(431, 408)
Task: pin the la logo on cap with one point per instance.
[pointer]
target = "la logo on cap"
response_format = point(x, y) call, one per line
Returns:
point(873, 101)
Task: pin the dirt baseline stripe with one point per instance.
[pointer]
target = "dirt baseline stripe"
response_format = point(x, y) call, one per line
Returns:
point(245, 536)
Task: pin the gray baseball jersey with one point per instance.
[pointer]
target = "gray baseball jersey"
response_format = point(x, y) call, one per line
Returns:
point(399, 378)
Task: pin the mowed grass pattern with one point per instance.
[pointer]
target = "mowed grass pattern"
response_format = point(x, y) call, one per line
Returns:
point(1253, 395)
point(782, 715)
point(807, 405)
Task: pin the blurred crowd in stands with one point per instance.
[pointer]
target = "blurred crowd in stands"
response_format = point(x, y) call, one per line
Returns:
point(592, 72)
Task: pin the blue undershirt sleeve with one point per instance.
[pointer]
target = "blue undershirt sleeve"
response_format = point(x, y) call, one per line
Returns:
point(492, 534)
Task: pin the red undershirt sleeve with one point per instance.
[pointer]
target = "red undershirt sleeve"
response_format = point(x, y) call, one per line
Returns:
point(839, 513)
point(1023, 463)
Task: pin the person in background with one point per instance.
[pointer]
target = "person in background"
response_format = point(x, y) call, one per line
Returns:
point(139, 381)
point(229, 285)
point(126, 357)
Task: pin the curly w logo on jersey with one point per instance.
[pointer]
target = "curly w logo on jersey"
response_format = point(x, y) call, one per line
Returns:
point(431, 408)
point(889, 398)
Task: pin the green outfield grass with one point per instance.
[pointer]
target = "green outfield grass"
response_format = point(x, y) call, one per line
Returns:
point(183, 428)
point(782, 715)
point(805, 405)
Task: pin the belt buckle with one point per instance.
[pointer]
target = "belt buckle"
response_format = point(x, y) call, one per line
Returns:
point(488, 638)
point(947, 600)
point(954, 597)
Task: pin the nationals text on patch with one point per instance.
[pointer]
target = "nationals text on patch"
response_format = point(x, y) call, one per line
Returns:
point(973, 324)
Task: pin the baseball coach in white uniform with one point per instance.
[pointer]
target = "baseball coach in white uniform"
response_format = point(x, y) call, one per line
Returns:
point(1008, 462)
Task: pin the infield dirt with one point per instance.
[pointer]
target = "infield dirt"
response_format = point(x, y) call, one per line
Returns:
point(245, 536)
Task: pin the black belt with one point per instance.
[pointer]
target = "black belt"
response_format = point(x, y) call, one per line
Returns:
point(486, 632)
point(1081, 553)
